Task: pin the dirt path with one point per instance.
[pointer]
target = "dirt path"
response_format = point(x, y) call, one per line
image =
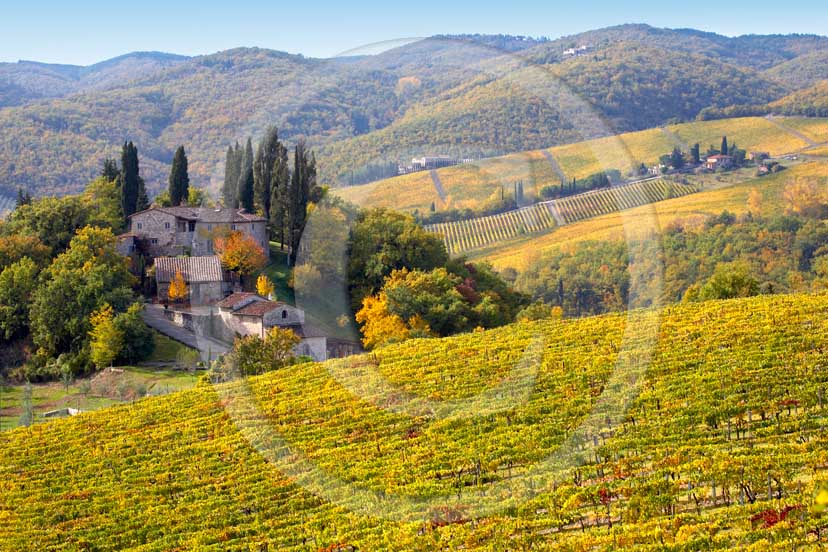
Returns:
point(775, 121)
point(438, 185)
point(555, 166)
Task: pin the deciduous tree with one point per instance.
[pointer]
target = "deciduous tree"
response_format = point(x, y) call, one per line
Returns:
point(106, 339)
point(178, 289)
point(240, 253)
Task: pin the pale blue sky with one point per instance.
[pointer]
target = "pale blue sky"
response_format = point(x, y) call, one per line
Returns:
point(83, 32)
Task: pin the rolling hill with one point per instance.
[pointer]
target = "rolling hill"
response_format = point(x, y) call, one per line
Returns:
point(472, 185)
point(720, 194)
point(720, 446)
point(468, 95)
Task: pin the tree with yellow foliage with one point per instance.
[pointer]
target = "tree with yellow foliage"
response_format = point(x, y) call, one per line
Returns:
point(754, 202)
point(264, 286)
point(178, 288)
point(806, 197)
point(381, 327)
point(107, 340)
point(240, 253)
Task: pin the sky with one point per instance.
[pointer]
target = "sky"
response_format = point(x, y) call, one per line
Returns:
point(84, 32)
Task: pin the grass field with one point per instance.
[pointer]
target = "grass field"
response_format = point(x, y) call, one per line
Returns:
point(815, 129)
point(102, 390)
point(819, 151)
point(648, 220)
point(470, 186)
point(749, 133)
point(719, 441)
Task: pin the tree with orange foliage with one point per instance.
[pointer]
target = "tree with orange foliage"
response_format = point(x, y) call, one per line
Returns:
point(178, 287)
point(240, 253)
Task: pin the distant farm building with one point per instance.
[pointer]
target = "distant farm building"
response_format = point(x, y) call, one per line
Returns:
point(430, 163)
point(718, 161)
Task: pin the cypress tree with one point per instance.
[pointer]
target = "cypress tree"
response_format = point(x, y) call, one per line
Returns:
point(302, 182)
point(232, 167)
point(245, 167)
point(279, 185)
point(694, 153)
point(23, 197)
point(129, 182)
point(142, 201)
point(267, 158)
point(179, 178)
point(245, 199)
point(110, 169)
point(724, 145)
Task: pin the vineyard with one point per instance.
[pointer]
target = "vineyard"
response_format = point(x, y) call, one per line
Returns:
point(463, 236)
point(496, 440)
point(473, 185)
point(718, 193)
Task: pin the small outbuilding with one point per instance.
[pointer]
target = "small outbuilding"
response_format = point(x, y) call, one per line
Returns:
point(205, 279)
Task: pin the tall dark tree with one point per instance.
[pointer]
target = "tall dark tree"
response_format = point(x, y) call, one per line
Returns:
point(279, 187)
point(245, 198)
point(232, 168)
point(266, 160)
point(179, 178)
point(725, 149)
point(677, 158)
point(142, 202)
point(23, 197)
point(695, 155)
point(110, 169)
point(129, 181)
point(245, 167)
point(303, 181)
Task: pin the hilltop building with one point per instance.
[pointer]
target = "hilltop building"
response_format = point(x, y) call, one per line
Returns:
point(173, 231)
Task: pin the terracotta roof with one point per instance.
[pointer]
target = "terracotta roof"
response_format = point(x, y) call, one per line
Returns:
point(258, 308)
point(234, 299)
point(206, 214)
point(719, 156)
point(193, 269)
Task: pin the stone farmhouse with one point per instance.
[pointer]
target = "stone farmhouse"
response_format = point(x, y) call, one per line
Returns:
point(175, 231)
point(718, 161)
point(243, 314)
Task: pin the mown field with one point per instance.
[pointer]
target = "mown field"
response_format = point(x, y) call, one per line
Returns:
point(159, 376)
point(470, 186)
point(486, 441)
point(723, 192)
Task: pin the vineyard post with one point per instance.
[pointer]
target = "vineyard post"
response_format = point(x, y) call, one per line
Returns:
point(819, 394)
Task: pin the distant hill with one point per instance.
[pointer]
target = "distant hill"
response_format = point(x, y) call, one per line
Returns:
point(511, 439)
point(801, 72)
point(24, 81)
point(812, 102)
point(469, 95)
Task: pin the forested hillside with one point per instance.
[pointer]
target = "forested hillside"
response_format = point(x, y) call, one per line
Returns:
point(26, 81)
point(463, 95)
point(721, 446)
